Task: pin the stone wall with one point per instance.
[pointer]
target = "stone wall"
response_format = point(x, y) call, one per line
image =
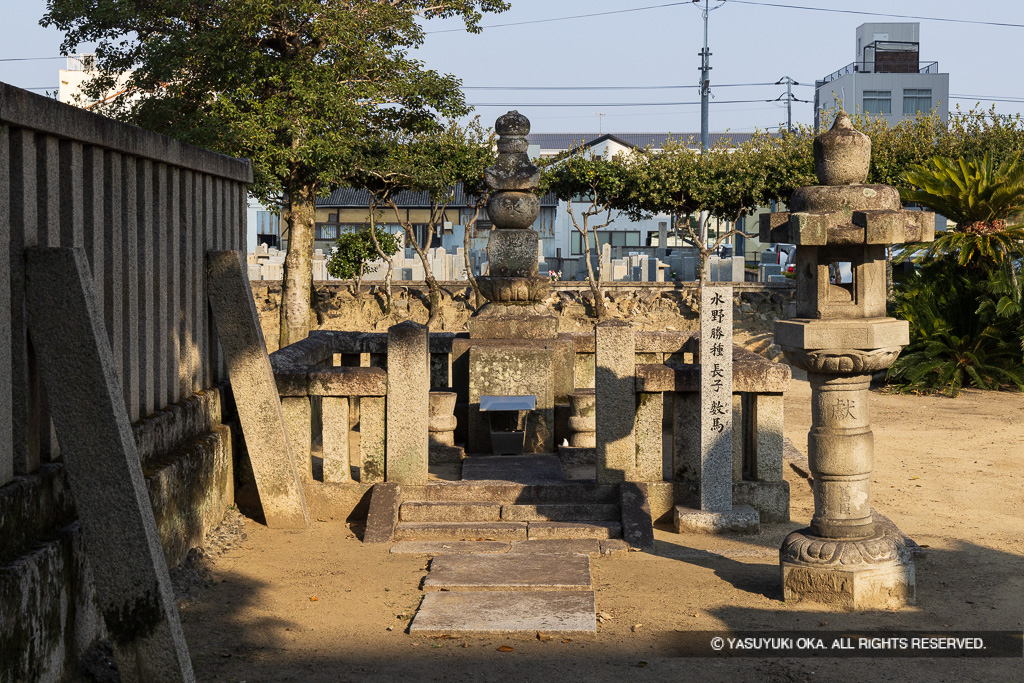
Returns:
point(650, 306)
point(48, 615)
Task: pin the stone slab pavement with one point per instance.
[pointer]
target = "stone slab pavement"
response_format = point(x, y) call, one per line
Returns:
point(516, 572)
point(553, 612)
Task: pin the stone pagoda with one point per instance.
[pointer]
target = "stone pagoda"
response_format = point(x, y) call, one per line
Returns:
point(514, 347)
point(850, 557)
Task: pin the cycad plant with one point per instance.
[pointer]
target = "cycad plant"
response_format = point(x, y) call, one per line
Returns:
point(981, 197)
point(954, 341)
point(964, 307)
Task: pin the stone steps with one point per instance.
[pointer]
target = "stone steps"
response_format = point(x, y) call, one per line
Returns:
point(511, 493)
point(479, 511)
point(506, 531)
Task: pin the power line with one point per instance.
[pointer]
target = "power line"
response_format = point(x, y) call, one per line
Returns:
point(610, 87)
point(575, 16)
point(987, 99)
point(604, 104)
point(28, 59)
point(876, 14)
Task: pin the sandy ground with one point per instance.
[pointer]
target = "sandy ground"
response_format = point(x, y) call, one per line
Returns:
point(321, 606)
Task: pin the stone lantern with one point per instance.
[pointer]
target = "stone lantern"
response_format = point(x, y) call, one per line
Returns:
point(849, 557)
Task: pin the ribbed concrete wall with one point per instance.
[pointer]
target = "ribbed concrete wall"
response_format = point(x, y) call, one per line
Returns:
point(145, 208)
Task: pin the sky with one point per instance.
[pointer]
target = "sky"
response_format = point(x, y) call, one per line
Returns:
point(625, 46)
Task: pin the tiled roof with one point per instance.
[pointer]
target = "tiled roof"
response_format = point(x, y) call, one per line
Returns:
point(351, 197)
point(560, 141)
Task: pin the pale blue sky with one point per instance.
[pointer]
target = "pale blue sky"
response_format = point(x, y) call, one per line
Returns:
point(656, 47)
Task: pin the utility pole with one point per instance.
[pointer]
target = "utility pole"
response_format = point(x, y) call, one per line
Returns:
point(705, 95)
point(789, 82)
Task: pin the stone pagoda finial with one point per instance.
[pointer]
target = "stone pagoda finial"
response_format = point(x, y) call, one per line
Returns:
point(513, 178)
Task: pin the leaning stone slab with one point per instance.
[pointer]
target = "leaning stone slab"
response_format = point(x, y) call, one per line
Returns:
point(515, 572)
point(255, 392)
point(385, 502)
point(637, 525)
point(133, 587)
point(434, 548)
point(554, 612)
point(742, 519)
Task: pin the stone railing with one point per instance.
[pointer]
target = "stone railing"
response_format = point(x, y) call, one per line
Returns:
point(660, 403)
point(664, 442)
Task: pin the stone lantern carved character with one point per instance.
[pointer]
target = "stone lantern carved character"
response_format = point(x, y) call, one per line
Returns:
point(841, 336)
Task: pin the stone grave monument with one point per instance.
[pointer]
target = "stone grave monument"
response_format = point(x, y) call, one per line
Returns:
point(849, 557)
point(514, 347)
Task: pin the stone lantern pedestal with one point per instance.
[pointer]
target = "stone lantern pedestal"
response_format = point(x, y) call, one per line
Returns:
point(841, 337)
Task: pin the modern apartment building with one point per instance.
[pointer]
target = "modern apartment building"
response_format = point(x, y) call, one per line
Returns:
point(888, 77)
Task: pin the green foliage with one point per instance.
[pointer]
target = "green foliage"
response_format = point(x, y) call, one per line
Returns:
point(354, 250)
point(967, 190)
point(957, 336)
point(293, 85)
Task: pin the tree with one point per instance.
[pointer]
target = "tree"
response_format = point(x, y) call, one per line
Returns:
point(432, 162)
point(293, 85)
point(355, 249)
point(723, 183)
point(598, 183)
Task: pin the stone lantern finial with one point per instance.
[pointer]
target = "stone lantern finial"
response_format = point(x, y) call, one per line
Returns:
point(842, 156)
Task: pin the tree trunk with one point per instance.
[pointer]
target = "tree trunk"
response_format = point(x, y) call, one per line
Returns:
point(389, 302)
point(433, 291)
point(297, 285)
point(595, 287)
point(470, 232)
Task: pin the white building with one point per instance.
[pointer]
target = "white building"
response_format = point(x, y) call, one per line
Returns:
point(79, 70)
point(887, 77)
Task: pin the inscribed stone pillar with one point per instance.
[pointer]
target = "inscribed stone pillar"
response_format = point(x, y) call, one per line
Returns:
point(615, 388)
point(716, 398)
point(408, 403)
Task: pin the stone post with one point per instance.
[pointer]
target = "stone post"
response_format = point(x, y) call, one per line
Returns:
point(841, 337)
point(615, 391)
point(583, 423)
point(335, 412)
point(408, 402)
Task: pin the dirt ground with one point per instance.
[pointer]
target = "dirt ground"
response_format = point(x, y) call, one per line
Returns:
point(321, 606)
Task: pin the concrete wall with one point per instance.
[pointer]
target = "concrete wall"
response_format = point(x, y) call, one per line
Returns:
point(145, 209)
